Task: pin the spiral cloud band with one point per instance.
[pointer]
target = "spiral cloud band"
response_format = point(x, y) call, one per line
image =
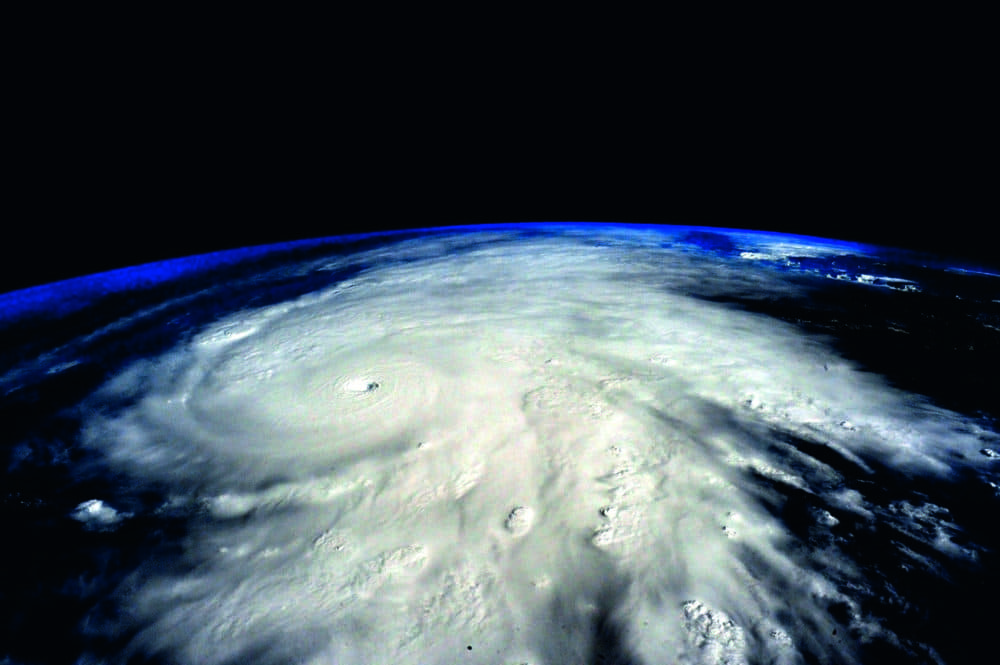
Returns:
point(490, 449)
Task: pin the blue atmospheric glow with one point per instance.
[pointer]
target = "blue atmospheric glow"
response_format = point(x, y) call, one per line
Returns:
point(62, 298)
point(65, 297)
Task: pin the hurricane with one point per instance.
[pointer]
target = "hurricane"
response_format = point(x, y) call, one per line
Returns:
point(538, 446)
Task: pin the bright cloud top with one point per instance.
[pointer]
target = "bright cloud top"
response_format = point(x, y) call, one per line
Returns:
point(541, 449)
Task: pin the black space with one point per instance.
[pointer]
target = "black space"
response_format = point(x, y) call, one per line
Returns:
point(131, 147)
point(130, 167)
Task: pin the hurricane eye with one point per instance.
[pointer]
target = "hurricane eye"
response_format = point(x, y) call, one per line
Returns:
point(361, 385)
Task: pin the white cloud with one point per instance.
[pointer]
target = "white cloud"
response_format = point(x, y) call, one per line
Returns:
point(497, 447)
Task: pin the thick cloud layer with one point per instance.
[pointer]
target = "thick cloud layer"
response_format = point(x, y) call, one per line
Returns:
point(535, 451)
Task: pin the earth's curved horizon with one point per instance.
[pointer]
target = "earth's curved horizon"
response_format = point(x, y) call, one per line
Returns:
point(38, 259)
point(527, 443)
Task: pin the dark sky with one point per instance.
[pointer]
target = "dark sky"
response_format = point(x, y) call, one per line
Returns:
point(129, 155)
point(96, 191)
